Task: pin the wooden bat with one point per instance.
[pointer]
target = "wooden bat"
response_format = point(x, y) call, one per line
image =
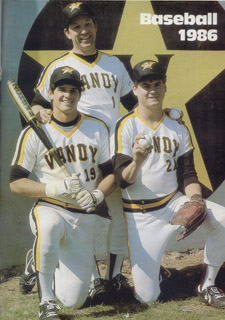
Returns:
point(27, 113)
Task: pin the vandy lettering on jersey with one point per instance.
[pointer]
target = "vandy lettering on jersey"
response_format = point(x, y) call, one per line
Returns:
point(84, 147)
point(167, 148)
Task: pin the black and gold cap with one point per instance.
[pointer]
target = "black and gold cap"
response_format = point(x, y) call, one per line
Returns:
point(66, 75)
point(147, 69)
point(75, 9)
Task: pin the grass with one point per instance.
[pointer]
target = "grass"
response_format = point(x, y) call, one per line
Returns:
point(15, 306)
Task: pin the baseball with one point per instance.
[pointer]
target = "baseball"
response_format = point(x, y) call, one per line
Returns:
point(146, 141)
point(175, 113)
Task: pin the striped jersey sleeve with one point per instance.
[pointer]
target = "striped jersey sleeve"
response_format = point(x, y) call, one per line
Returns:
point(26, 148)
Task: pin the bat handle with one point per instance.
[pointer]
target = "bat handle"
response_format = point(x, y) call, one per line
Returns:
point(91, 209)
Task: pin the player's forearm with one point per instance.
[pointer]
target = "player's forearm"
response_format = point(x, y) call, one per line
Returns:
point(193, 189)
point(28, 188)
point(130, 173)
point(107, 185)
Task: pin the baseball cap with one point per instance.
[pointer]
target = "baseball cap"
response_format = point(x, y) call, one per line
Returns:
point(66, 75)
point(76, 8)
point(148, 68)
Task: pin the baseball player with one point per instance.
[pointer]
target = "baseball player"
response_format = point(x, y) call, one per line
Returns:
point(106, 83)
point(151, 175)
point(63, 229)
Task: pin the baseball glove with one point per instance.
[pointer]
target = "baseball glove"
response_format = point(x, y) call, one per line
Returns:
point(190, 216)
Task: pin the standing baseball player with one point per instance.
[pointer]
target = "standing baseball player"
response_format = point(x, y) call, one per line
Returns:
point(153, 161)
point(62, 227)
point(106, 83)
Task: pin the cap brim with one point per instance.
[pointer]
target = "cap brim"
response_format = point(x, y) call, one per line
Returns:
point(150, 75)
point(76, 14)
point(77, 83)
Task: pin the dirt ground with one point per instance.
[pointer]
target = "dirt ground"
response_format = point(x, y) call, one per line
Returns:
point(183, 274)
point(171, 260)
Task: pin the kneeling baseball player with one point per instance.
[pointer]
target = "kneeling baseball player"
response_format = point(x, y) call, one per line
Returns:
point(61, 219)
point(153, 161)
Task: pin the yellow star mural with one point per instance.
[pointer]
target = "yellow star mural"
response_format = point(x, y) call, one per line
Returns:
point(189, 71)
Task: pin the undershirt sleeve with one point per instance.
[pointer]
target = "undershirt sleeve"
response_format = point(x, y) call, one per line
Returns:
point(120, 162)
point(106, 168)
point(186, 173)
point(17, 172)
point(129, 101)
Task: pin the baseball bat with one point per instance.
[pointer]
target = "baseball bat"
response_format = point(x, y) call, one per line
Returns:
point(27, 113)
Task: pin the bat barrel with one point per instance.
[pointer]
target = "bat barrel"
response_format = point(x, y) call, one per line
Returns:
point(20, 100)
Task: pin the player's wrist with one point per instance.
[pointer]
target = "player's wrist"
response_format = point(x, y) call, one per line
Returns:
point(196, 197)
point(89, 200)
point(98, 196)
point(136, 164)
point(50, 189)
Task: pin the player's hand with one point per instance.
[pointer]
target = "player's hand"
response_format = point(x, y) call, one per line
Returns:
point(44, 115)
point(140, 153)
point(67, 186)
point(73, 184)
point(89, 200)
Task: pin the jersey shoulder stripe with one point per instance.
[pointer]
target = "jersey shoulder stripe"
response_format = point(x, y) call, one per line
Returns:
point(112, 59)
point(50, 66)
point(118, 129)
point(109, 55)
point(182, 126)
point(181, 130)
point(122, 120)
point(22, 142)
point(106, 54)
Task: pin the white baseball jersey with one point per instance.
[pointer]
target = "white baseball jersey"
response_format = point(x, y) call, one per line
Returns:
point(170, 140)
point(82, 147)
point(105, 82)
point(152, 200)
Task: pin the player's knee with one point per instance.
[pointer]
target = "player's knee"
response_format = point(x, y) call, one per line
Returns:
point(73, 294)
point(145, 296)
point(73, 302)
